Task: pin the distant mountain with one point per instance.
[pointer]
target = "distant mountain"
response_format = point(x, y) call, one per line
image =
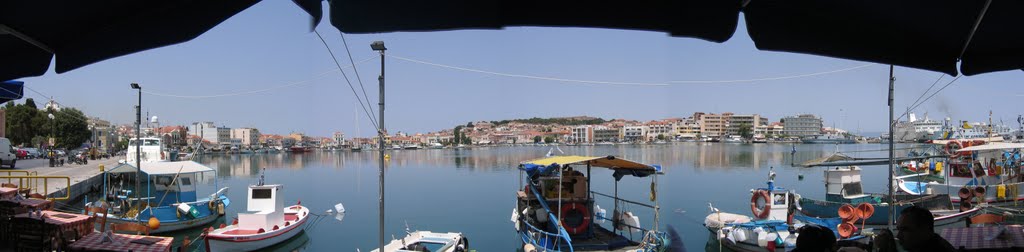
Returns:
point(575, 120)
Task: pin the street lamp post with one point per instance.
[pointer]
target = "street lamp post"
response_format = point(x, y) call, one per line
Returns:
point(138, 140)
point(379, 46)
point(49, 153)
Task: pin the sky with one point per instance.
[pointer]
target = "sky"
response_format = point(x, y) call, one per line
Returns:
point(263, 68)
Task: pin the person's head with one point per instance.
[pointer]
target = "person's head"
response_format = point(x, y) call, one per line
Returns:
point(915, 226)
point(884, 241)
point(814, 238)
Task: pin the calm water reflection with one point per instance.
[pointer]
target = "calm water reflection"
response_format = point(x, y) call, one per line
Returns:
point(472, 190)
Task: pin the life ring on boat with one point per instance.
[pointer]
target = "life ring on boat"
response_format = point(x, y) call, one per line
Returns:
point(764, 210)
point(952, 149)
point(575, 211)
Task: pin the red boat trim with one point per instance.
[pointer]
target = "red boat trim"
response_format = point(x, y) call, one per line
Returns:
point(236, 238)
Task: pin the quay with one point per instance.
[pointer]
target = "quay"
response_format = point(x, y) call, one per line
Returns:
point(83, 178)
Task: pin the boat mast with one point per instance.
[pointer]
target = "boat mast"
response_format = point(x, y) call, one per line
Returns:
point(892, 145)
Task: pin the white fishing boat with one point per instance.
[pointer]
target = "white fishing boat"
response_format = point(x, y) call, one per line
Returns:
point(435, 146)
point(732, 139)
point(266, 222)
point(428, 241)
point(989, 171)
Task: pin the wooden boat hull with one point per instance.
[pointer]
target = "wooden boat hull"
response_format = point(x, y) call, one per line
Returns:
point(219, 240)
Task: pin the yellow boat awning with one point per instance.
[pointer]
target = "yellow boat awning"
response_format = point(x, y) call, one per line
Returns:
point(610, 162)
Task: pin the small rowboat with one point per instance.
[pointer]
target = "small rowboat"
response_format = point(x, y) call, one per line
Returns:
point(265, 223)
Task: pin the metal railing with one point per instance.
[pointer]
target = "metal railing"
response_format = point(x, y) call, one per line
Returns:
point(33, 183)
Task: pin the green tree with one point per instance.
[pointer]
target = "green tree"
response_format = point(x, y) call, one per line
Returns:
point(19, 124)
point(68, 126)
point(457, 136)
point(31, 103)
point(661, 136)
point(745, 131)
point(549, 139)
point(467, 140)
point(537, 139)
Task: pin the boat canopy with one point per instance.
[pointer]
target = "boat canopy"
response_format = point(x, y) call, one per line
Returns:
point(621, 167)
point(163, 168)
point(993, 146)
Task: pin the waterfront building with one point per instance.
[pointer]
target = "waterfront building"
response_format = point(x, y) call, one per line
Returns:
point(736, 121)
point(634, 133)
point(607, 134)
point(687, 129)
point(173, 136)
point(658, 128)
point(103, 135)
point(773, 129)
point(713, 125)
point(248, 136)
point(582, 134)
point(339, 138)
point(210, 132)
point(803, 125)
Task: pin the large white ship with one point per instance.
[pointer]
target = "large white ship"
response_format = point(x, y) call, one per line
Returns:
point(914, 130)
point(965, 130)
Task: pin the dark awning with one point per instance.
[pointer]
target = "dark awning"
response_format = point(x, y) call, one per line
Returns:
point(85, 32)
point(11, 90)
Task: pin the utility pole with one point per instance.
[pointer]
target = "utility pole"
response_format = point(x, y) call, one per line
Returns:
point(138, 142)
point(892, 150)
point(381, 133)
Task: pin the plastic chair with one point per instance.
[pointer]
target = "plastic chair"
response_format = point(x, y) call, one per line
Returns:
point(130, 227)
point(95, 212)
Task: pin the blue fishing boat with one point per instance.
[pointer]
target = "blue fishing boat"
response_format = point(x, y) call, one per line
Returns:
point(843, 187)
point(171, 202)
point(556, 210)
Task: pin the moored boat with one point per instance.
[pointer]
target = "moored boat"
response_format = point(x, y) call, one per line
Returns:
point(266, 223)
point(577, 226)
point(843, 187)
point(428, 241)
point(988, 171)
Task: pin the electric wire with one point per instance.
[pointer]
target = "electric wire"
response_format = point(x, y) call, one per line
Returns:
point(255, 91)
point(772, 78)
point(936, 92)
point(913, 104)
point(358, 78)
point(335, 59)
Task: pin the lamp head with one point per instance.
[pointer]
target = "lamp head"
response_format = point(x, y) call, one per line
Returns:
point(378, 46)
point(136, 86)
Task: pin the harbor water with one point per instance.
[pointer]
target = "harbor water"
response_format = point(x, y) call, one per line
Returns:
point(472, 191)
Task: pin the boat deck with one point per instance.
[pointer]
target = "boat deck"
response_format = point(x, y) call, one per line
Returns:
point(604, 240)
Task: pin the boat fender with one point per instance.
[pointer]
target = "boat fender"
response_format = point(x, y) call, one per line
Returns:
point(287, 223)
point(571, 209)
point(275, 227)
point(600, 214)
point(796, 202)
point(1001, 191)
point(739, 235)
point(234, 222)
point(222, 225)
point(220, 208)
point(764, 210)
point(261, 231)
point(654, 192)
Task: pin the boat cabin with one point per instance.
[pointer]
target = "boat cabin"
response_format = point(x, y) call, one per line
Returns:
point(265, 208)
point(165, 183)
point(843, 184)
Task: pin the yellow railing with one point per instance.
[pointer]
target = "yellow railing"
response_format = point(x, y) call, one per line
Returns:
point(33, 183)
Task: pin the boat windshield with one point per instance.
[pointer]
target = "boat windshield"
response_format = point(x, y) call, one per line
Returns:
point(145, 142)
point(852, 189)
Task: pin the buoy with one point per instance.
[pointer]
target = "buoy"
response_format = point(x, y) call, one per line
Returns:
point(1001, 191)
point(234, 222)
point(222, 225)
point(866, 210)
point(154, 223)
point(846, 229)
point(261, 231)
point(848, 213)
point(800, 177)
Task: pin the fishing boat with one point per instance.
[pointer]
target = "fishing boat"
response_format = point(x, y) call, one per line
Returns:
point(411, 147)
point(435, 146)
point(843, 187)
point(773, 224)
point(987, 172)
point(428, 241)
point(556, 209)
point(299, 149)
point(732, 139)
point(171, 202)
point(266, 222)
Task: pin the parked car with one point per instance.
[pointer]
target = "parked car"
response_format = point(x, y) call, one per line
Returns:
point(21, 153)
point(8, 156)
point(33, 152)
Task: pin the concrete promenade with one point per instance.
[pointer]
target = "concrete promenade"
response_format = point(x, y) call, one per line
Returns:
point(55, 187)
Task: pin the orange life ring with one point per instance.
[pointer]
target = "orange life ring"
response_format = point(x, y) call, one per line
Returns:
point(575, 209)
point(952, 148)
point(762, 212)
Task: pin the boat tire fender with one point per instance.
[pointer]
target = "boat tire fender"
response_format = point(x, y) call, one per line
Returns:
point(760, 213)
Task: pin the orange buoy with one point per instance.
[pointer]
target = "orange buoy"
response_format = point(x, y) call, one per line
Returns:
point(846, 229)
point(154, 223)
point(865, 210)
point(964, 193)
point(848, 213)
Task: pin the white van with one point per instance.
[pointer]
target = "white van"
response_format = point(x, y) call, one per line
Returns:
point(7, 153)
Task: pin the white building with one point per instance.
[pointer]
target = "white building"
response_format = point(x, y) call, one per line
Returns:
point(582, 134)
point(210, 132)
point(248, 136)
point(634, 133)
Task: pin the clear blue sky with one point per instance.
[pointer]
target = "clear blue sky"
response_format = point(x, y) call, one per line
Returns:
point(269, 45)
